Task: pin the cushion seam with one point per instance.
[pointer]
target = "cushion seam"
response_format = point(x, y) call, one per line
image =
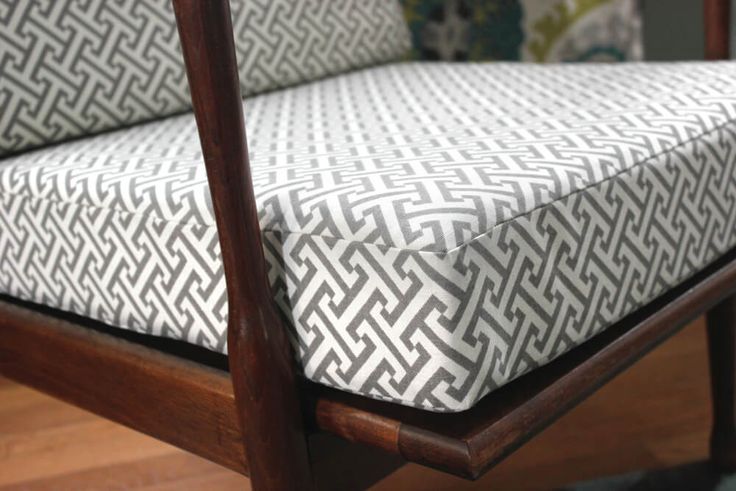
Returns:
point(630, 169)
point(444, 252)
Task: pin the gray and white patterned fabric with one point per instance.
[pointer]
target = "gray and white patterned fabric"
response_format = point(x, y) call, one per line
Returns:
point(433, 231)
point(70, 68)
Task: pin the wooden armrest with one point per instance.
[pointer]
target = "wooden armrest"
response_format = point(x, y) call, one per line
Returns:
point(717, 16)
point(260, 358)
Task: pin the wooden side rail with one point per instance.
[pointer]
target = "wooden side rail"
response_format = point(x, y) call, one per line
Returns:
point(169, 397)
point(261, 362)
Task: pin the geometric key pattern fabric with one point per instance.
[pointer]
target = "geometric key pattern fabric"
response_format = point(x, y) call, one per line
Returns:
point(69, 68)
point(432, 231)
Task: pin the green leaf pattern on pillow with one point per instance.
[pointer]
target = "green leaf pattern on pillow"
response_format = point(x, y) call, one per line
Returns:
point(527, 30)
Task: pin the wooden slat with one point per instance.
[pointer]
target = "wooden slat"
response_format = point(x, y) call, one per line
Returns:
point(469, 443)
point(187, 404)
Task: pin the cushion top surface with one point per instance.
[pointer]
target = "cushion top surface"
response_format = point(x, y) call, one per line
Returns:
point(412, 156)
point(432, 230)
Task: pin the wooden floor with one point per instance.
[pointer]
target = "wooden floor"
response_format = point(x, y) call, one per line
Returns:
point(657, 414)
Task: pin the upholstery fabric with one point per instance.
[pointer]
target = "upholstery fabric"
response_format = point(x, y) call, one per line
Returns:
point(433, 231)
point(528, 30)
point(70, 68)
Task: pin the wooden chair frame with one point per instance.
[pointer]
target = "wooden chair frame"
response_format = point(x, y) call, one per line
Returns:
point(259, 418)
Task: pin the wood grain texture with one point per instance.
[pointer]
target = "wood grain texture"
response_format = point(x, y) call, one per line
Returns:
point(261, 360)
point(717, 16)
point(183, 403)
point(48, 445)
point(612, 432)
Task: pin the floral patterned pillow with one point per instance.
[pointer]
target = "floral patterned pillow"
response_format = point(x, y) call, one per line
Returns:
point(527, 30)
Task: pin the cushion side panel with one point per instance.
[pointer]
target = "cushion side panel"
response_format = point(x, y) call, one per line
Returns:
point(440, 331)
point(129, 271)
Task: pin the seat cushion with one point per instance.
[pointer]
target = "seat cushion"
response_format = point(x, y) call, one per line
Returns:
point(432, 231)
point(70, 68)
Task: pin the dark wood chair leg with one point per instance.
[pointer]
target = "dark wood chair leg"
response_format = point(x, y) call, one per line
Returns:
point(721, 322)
